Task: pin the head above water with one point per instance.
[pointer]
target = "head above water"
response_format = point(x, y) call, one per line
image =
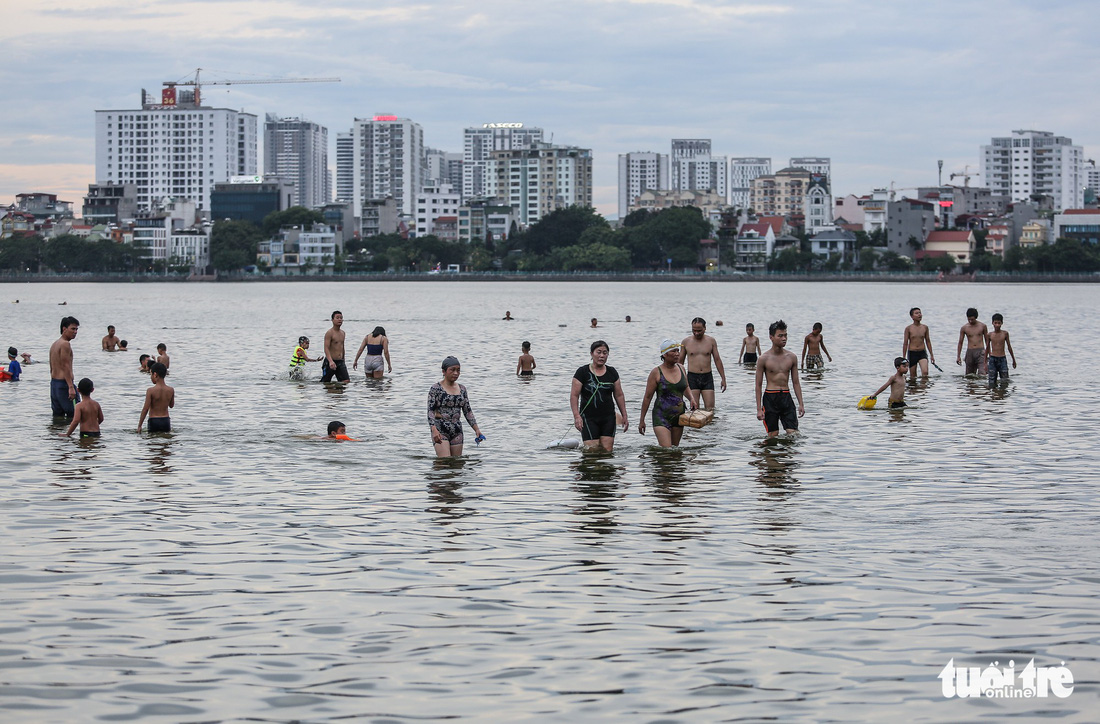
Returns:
point(597, 344)
point(972, 313)
point(123, 343)
point(67, 322)
point(303, 340)
point(913, 311)
point(85, 386)
point(777, 326)
point(337, 312)
point(817, 326)
point(450, 361)
point(669, 345)
point(336, 427)
point(158, 369)
point(998, 317)
point(12, 351)
point(750, 327)
point(526, 346)
point(378, 332)
point(162, 347)
point(900, 362)
point(110, 329)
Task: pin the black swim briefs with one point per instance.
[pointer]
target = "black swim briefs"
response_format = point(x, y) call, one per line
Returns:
point(341, 372)
point(915, 357)
point(701, 380)
point(594, 429)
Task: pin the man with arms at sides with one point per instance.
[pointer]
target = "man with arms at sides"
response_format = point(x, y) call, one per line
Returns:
point(775, 405)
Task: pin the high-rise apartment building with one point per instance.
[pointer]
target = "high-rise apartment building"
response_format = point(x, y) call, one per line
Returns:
point(442, 167)
point(478, 144)
point(542, 178)
point(814, 164)
point(1034, 163)
point(638, 172)
point(1092, 176)
point(693, 168)
point(174, 149)
point(742, 172)
point(345, 166)
point(387, 161)
point(296, 150)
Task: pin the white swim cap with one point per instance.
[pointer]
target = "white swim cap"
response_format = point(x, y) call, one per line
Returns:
point(669, 345)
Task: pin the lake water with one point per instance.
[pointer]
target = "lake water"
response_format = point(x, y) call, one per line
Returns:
point(236, 571)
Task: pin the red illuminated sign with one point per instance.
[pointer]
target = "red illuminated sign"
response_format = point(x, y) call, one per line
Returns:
point(168, 96)
point(385, 118)
point(946, 204)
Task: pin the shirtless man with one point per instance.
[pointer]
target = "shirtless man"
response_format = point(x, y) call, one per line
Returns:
point(916, 345)
point(334, 352)
point(775, 405)
point(110, 342)
point(62, 390)
point(696, 352)
point(158, 399)
point(977, 337)
point(814, 343)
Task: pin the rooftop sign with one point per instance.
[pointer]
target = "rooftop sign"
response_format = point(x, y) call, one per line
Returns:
point(502, 125)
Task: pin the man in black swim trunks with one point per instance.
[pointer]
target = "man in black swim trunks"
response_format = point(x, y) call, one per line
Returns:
point(334, 352)
point(696, 352)
point(775, 405)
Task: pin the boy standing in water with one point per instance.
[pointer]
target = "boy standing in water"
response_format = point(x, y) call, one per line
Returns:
point(525, 367)
point(88, 414)
point(815, 344)
point(916, 345)
point(158, 399)
point(997, 342)
point(162, 355)
point(750, 346)
point(896, 383)
point(977, 339)
point(775, 406)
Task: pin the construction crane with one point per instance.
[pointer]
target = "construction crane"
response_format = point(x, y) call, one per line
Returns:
point(965, 175)
point(168, 92)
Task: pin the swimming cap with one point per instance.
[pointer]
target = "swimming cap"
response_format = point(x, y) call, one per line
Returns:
point(451, 361)
point(668, 345)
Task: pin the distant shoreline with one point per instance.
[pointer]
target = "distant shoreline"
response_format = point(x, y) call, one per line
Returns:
point(880, 277)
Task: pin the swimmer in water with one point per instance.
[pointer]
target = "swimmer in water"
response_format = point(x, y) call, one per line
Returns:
point(158, 399)
point(87, 414)
point(300, 357)
point(447, 403)
point(110, 341)
point(337, 431)
point(750, 346)
point(525, 367)
point(377, 345)
point(162, 355)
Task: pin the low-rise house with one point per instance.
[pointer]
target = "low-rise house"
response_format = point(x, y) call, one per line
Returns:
point(958, 244)
point(753, 246)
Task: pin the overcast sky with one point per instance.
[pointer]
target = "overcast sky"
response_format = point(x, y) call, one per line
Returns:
point(883, 88)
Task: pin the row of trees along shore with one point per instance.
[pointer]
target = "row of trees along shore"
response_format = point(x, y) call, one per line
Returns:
point(575, 239)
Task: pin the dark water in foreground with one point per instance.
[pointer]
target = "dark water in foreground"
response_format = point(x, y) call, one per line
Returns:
point(235, 571)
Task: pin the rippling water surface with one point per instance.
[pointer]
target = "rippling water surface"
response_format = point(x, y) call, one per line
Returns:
point(236, 570)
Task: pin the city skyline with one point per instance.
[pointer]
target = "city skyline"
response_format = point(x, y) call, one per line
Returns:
point(838, 79)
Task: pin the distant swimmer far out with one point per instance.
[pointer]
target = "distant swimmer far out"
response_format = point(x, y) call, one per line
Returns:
point(123, 346)
point(377, 345)
point(299, 358)
point(158, 399)
point(669, 381)
point(334, 351)
point(595, 322)
point(814, 345)
point(780, 367)
point(593, 397)
point(508, 317)
point(976, 335)
point(525, 366)
point(916, 345)
point(448, 402)
point(88, 415)
point(144, 361)
point(998, 342)
point(750, 346)
point(896, 383)
point(63, 392)
point(697, 351)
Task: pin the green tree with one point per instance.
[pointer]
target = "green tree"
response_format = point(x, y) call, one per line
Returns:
point(560, 228)
point(233, 244)
point(637, 217)
point(791, 259)
point(294, 216)
point(945, 264)
point(22, 252)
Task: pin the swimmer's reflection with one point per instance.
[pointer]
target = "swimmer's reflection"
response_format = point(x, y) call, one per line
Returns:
point(668, 472)
point(999, 392)
point(600, 498)
point(776, 461)
point(72, 462)
point(160, 450)
point(335, 388)
point(445, 486)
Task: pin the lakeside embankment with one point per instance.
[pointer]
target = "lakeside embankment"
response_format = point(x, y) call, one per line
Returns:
point(905, 277)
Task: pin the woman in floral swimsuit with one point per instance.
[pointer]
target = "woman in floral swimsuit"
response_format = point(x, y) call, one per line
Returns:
point(447, 403)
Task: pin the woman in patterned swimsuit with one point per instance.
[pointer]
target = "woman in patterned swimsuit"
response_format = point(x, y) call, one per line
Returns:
point(670, 396)
point(447, 403)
